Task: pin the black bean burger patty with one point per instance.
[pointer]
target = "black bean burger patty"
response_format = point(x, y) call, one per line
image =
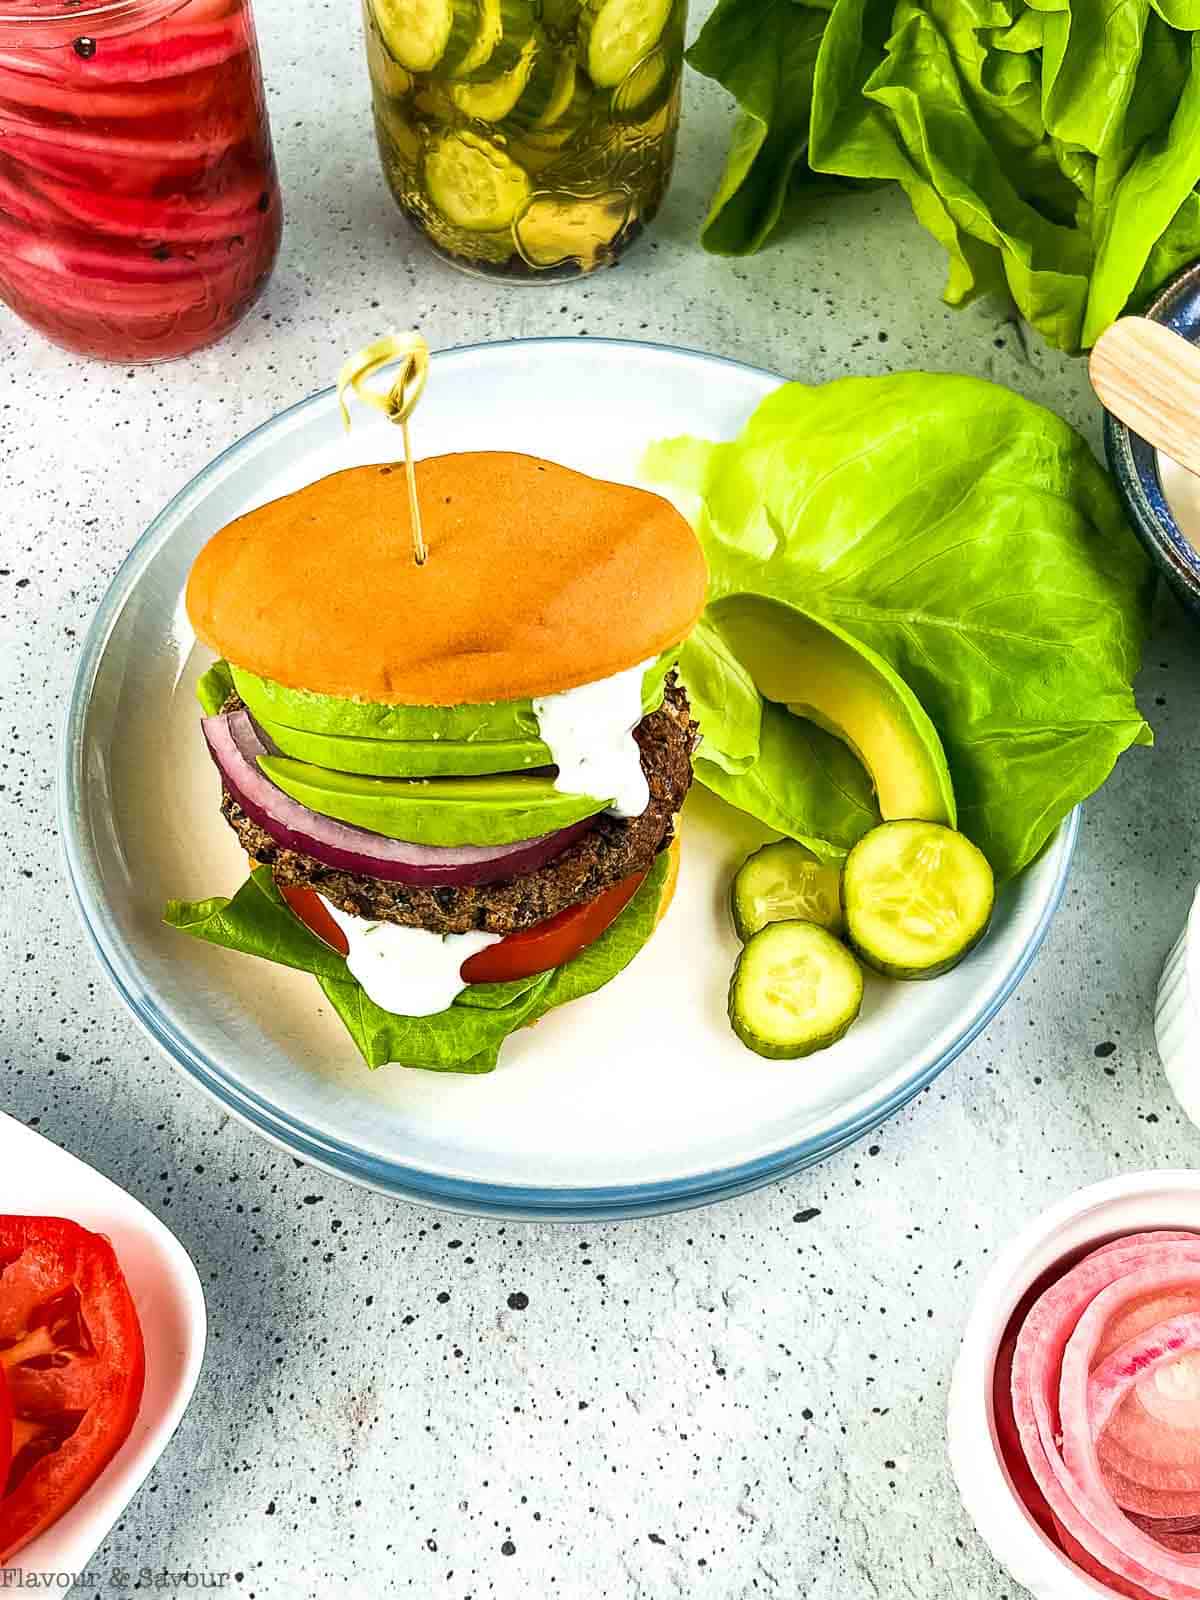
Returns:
point(613, 849)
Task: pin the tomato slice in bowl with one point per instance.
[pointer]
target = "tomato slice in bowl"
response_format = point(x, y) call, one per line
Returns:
point(72, 1353)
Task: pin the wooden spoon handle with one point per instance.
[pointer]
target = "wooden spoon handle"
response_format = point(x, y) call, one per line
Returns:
point(1149, 378)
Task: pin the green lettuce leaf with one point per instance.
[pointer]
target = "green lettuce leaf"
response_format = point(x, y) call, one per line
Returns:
point(971, 538)
point(1050, 146)
point(804, 783)
point(770, 53)
point(1153, 185)
point(1177, 248)
point(215, 687)
point(723, 699)
point(467, 1036)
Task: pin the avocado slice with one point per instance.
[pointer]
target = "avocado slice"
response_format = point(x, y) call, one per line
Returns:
point(821, 673)
point(439, 811)
point(271, 702)
point(408, 758)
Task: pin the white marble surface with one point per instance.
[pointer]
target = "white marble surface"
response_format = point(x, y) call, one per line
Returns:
point(743, 1401)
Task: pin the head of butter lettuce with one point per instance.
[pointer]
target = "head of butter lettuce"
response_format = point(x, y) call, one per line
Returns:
point(968, 537)
point(1051, 147)
point(464, 1038)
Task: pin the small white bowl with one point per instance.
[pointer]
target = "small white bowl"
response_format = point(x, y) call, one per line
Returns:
point(1177, 1016)
point(39, 1179)
point(1134, 1204)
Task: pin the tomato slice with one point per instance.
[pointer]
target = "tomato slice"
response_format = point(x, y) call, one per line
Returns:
point(71, 1348)
point(553, 942)
point(521, 955)
point(310, 908)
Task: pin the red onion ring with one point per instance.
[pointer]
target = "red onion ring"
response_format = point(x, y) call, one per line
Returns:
point(1119, 1471)
point(235, 745)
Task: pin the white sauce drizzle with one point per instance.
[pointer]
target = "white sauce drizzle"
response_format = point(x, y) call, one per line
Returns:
point(1182, 491)
point(407, 971)
point(590, 734)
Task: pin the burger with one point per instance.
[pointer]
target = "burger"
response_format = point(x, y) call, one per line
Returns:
point(458, 782)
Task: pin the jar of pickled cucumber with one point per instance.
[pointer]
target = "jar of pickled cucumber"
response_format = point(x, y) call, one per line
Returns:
point(527, 139)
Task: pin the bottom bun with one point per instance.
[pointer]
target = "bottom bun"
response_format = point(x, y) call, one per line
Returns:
point(671, 880)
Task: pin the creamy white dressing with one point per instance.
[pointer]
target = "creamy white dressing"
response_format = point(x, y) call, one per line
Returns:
point(1182, 491)
point(407, 971)
point(590, 734)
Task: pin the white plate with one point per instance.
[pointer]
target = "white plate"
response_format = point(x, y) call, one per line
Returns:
point(42, 1180)
point(638, 1098)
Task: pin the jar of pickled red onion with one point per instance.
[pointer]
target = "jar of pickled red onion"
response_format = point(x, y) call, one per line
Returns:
point(140, 214)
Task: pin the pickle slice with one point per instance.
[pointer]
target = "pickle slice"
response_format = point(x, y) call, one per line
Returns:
point(918, 898)
point(491, 101)
point(388, 77)
point(784, 882)
point(545, 147)
point(555, 228)
point(488, 36)
point(505, 28)
point(550, 91)
point(649, 86)
point(795, 990)
point(473, 183)
point(423, 34)
point(617, 34)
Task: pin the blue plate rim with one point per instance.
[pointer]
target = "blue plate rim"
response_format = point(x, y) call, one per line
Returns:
point(515, 1202)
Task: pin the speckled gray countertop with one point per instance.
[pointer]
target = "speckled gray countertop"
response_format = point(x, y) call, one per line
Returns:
point(741, 1401)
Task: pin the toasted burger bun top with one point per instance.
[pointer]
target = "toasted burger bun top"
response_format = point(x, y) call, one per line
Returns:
point(538, 579)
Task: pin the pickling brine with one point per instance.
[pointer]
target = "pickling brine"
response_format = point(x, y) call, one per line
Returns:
point(527, 138)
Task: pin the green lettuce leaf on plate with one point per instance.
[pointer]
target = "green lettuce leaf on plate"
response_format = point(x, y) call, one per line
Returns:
point(972, 540)
point(464, 1038)
point(214, 688)
point(804, 783)
point(723, 699)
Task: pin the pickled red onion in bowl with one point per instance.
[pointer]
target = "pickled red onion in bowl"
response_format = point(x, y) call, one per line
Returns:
point(1097, 1412)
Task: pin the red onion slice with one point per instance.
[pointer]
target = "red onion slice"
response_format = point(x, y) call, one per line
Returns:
point(1110, 1381)
point(1087, 1563)
point(1160, 1525)
point(235, 744)
point(1154, 1490)
point(1122, 1315)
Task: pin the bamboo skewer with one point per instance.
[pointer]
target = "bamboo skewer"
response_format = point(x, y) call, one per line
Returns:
point(397, 404)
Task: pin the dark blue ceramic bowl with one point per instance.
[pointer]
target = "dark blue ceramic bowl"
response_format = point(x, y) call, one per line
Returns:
point(1133, 464)
point(1132, 461)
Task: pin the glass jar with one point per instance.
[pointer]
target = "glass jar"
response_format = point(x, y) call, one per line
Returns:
point(527, 139)
point(139, 207)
